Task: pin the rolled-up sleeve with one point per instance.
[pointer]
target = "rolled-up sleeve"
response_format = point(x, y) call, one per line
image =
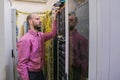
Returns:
point(23, 48)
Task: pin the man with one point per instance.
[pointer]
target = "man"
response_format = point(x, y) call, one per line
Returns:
point(31, 49)
point(78, 55)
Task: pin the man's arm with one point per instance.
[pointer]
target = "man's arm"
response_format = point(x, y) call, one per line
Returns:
point(52, 34)
point(23, 55)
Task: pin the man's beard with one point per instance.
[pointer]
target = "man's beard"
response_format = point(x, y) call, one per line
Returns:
point(37, 27)
point(71, 28)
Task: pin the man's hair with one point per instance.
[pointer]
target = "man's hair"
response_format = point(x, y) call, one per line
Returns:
point(28, 18)
point(73, 14)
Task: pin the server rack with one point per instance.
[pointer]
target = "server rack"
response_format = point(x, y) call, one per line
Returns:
point(59, 42)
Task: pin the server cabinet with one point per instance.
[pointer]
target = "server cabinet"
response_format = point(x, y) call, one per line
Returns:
point(59, 44)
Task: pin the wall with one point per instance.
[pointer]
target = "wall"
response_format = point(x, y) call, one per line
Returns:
point(104, 40)
point(114, 40)
point(8, 40)
point(5, 41)
point(2, 49)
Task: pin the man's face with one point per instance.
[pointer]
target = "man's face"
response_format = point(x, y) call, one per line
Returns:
point(36, 22)
point(72, 22)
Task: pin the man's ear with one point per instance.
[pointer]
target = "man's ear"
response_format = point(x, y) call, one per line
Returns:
point(30, 21)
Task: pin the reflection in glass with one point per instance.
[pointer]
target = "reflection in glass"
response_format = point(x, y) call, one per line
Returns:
point(78, 39)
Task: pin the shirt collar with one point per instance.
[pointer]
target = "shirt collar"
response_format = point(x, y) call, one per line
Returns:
point(33, 33)
point(73, 32)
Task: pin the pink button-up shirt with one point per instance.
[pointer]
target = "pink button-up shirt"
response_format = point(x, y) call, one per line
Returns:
point(31, 51)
